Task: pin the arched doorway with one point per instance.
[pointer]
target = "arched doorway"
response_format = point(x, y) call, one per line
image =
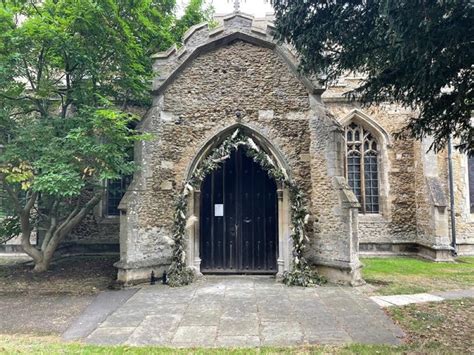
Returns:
point(283, 230)
point(239, 218)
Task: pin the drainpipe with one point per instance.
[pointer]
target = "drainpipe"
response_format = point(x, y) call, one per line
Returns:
point(451, 197)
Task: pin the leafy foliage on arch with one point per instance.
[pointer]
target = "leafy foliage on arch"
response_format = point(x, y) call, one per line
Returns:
point(301, 273)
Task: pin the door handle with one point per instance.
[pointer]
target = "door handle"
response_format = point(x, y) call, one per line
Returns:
point(247, 220)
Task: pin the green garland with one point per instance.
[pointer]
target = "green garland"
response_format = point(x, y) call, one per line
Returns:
point(301, 274)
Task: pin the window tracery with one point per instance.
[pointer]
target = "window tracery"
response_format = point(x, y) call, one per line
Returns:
point(362, 168)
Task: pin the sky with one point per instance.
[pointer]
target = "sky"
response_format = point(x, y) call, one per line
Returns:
point(253, 7)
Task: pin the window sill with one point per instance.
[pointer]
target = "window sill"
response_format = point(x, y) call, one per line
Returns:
point(372, 218)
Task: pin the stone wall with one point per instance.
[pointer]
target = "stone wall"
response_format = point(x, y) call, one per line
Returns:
point(334, 241)
point(396, 222)
point(416, 210)
point(204, 100)
point(236, 84)
point(96, 229)
point(464, 218)
point(200, 103)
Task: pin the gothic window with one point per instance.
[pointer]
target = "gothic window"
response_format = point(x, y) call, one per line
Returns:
point(115, 191)
point(470, 164)
point(362, 168)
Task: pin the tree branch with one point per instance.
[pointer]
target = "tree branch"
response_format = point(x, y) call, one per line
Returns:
point(31, 202)
point(28, 75)
point(40, 67)
point(53, 222)
point(65, 228)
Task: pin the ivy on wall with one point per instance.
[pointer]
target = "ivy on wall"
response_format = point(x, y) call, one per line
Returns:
point(301, 274)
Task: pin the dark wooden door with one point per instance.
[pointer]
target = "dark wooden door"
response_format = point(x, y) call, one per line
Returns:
point(238, 218)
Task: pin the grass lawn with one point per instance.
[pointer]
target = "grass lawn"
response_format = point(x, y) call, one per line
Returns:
point(400, 275)
point(432, 328)
point(446, 327)
point(15, 345)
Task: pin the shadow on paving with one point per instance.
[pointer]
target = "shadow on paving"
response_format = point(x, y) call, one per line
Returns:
point(48, 302)
point(242, 311)
point(41, 314)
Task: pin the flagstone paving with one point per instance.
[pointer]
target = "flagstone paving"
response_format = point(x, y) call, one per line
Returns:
point(243, 311)
point(402, 300)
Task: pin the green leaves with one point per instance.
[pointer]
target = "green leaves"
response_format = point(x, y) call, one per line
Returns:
point(70, 51)
point(58, 179)
point(20, 174)
point(69, 72)
point(61, 157)
point(416, 53)
point(194, 14)
point(9, 228)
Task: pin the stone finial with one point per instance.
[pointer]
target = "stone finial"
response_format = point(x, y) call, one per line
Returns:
point(237, 5)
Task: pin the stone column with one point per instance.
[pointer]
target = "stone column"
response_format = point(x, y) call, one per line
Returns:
point(335, 240)
point(286, 220)
point(281, 235)
point(433, 230)
point(350, 219)
point(197, 233)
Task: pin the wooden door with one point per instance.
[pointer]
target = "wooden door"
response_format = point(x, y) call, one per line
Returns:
point(238, 218)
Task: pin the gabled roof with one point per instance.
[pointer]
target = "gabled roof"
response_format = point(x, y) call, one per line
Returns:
point(199, 39)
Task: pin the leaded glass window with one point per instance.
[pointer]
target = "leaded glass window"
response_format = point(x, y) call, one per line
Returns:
point(362, 167)
point(115, 191)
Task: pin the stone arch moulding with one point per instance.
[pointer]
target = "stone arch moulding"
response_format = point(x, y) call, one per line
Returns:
point(372, 125)
point(385, 143)
point(252, 132)
point(193, 258)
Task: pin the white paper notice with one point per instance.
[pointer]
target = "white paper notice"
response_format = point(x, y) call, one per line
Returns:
point(218, 210)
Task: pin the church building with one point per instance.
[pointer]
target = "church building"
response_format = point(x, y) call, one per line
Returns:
point(366, 193)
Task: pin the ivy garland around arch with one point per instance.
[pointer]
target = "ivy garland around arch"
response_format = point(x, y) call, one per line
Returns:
point(179, 274)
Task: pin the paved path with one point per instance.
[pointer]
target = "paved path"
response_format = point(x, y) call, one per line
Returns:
point(402, 300)
point(104, 304)
point(245, 311)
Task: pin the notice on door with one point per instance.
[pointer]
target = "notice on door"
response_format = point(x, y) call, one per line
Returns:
point(218, 210)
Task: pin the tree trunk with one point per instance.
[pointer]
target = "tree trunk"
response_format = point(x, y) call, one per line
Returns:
point(26, 245)
point(29, 249)
point(49, 247)
point(25, 225)
point(41, 266)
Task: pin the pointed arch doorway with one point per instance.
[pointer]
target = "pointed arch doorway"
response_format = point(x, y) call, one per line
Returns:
point(195, 234)
point(239, 219)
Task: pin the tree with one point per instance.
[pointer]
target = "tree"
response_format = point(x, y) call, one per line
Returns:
point(416, 53)
point(69, 72)
point(193, 14)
